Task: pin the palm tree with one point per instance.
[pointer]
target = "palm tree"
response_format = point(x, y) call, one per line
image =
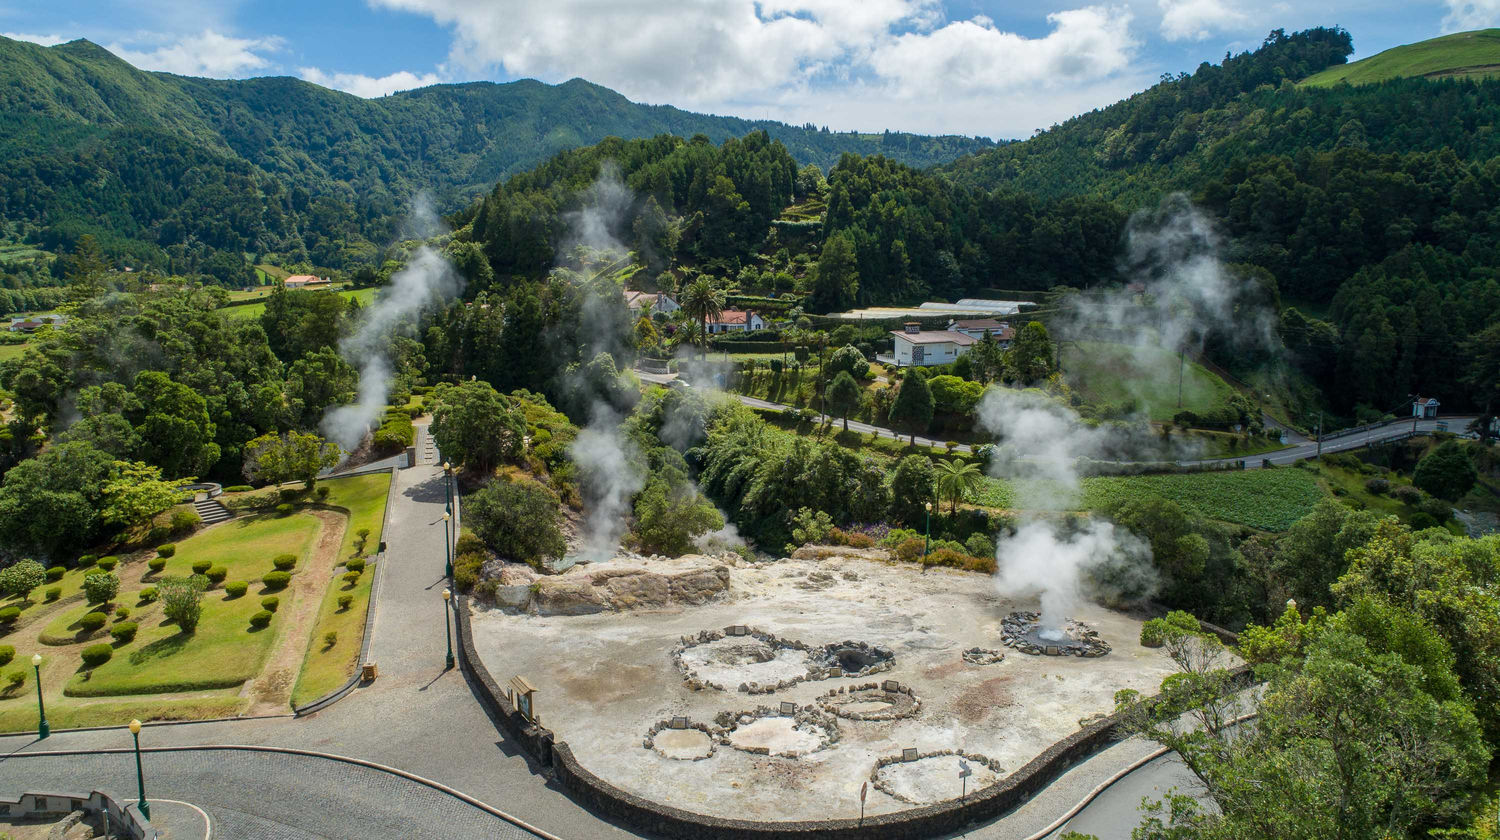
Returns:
point(702, 302)
point(957, 480)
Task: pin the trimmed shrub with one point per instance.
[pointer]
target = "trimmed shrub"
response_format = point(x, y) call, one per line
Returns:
point(468, 544)
point(202, 566)
point(123, 632)
point(289, 494)
point(166, 549)
point(285, 509)
point(87, 560)
point(156, 564)
point(345, 600)
point(276, 580)
point(122, 612)
point(148, 595)
point(238, 488)
point(7, 653)
point(9, 614)
point(92, 621)
point(23, 577)
point(184, 520)
point(216, 574)
point(350, 578)
point(182, 600)
point(356, 565)
point(270, 602)
point(55, 574)
point(284, 562)
point(236, 588)
point(330, 639)
point(96, 655)
point(101, 588)
point(15, 679)
point(108, 564)
point(321, 493)
point(260, 619)
point(53, 593)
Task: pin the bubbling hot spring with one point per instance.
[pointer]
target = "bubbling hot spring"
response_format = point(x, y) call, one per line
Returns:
point(1025, 632)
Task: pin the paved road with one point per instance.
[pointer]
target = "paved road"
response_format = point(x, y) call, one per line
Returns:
point(1301, 447)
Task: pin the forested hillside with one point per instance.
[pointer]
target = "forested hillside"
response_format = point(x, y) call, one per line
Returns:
point(165, 170)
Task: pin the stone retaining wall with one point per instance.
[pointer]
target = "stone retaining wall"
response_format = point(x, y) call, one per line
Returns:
point(124, 820)
point(618, 805)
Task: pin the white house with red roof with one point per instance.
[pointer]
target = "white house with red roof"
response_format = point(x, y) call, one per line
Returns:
point(735, 320)
point(1001, 331)
point(650, 303)
point(304, 281)
point(1425, 408)
point(916, 347)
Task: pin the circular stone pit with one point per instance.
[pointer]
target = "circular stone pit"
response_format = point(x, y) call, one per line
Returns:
point(854, 659)
point(754, 661)
point(681, 740)
point(1022, 631)
point(933, 777)
point(984, 656)
point(873, 701)
point(768, 731)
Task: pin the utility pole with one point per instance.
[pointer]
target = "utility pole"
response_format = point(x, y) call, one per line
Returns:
point(1181, 361)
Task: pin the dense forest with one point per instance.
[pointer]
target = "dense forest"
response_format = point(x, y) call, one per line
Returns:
point(165, 170)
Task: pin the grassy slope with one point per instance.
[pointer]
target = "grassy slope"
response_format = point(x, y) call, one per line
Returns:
point(325, 668)
point(255, 310)
point(1466, 54)
point(11, 351)
point(1114, 373)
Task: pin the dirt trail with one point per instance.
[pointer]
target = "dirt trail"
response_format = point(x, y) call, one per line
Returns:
point(270, 692)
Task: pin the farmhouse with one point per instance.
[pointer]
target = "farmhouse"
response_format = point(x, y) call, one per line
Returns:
point(304, 281)
point(650, 303)
point(916, 348)
point(735, 320)
point(31, 325)
point(1001, 331)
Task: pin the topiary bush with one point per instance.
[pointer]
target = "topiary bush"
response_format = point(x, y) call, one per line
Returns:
point(356, 565)
point(285, 508)
point(284, 562)
point(184, 520)
point(216, 574)
point(15, 679)
point(270, 602)
point(9, 614)
point(7, 653)
point(122, 612)
point(350, 578)
point(344, 601)
point(148, 595)
point(53, 593)
point(276, 580)
point(260, 619)
point(55, 574)
point(123, 632)
point(236, 588)
point(238, 488)
point(108, 564)
point(156, 564)
point(86, 561)
point(92, 621)
point(202, 566)
point(101, 588)
point(166, 550)
point(96, 655)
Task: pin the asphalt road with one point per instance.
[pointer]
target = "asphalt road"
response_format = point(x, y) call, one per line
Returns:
point(1116, 810)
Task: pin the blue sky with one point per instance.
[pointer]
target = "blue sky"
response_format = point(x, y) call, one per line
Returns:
point(998, 69)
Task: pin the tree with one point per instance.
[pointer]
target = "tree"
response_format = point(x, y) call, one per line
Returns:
point(475, 426)
point(1310, 556)
point(101, 587)
point(52, 502)
point(1029, 359)
point(986, 359)
point(317, 380)
point(182, 600)
point(1483, 374)
point(848, 358)
point(85, 270)
point(913, 486)
point(21, 578)
point(1447, 472)
point(135, 493)
point(670, 514)
point(275, 459)
point(836, 285)
point(913, 408)
point(957, 480)
point(176, 432)
point(844, 396)
point(702, 302)
point(518, 519)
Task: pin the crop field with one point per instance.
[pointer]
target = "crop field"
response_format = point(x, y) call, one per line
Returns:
point(1270, 500)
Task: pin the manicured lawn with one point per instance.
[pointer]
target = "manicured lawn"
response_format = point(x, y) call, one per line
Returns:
point(255, 310)
point(326, 668)
point(21, 716)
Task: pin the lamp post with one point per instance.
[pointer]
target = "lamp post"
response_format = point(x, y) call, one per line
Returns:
point(448, 485)
point(42, 729)
point(927, 541)
point(140, 779)
point(448, 544)
point(447, 629)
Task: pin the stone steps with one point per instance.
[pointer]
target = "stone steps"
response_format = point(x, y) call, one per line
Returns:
point(211, 511)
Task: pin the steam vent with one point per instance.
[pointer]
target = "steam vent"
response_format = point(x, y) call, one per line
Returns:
point(1024, 632)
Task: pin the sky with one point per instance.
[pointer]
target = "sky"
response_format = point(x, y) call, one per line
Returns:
point(975, 67)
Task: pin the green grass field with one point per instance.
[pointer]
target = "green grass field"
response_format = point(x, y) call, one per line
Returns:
point(1460, 55)
point(11, 351)
point(1115, 373)
point(325, 668)
point(255, 310)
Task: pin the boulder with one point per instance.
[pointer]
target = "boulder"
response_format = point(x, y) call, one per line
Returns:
point(568, 597)
point(699, 586)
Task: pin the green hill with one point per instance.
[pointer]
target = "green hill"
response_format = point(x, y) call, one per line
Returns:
point(1460, 55)
point(167, 169)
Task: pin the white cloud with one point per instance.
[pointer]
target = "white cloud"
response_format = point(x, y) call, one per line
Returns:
point(1464, 15)
point(743, 56)
point(207, 53)
point(368, 87)
point(1183, 20)
point(44, 40)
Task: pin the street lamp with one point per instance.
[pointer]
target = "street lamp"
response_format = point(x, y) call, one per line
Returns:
point(42, 729)
point(447, 544)
point(448, 630)
point(448, 485)
point(927, 542)
point(140, 780)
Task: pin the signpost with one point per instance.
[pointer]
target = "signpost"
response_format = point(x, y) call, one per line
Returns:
point(863, 789)
point(963, 777)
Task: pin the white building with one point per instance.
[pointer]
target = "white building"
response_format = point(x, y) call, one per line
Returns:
point(735, 320)
point(1425, 407)
point(916, 348)
point(1001, 331)
point(650, 303)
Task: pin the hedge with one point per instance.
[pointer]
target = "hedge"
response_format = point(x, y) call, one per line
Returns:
point(260, 619)
point(123, 632)
point(96, 655)
point(276, 580)
point(284, 562)
point(270, 602)
point(92, 621)
point(236, 588)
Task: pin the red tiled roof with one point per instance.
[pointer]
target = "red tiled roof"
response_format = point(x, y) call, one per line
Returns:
point(732, 316)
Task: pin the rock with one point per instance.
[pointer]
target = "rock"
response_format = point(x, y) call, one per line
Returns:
point(699, 586)
point(513, 597)
point(634, 589)
point(565, 597)
point(60, 828)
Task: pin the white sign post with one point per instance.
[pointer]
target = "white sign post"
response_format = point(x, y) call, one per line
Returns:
point(963, 776)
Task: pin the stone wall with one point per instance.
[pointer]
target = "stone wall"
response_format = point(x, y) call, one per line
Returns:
point(124, 818)
point(618, 805)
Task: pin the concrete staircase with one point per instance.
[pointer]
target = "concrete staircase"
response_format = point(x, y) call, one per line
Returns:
point(212, 511)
